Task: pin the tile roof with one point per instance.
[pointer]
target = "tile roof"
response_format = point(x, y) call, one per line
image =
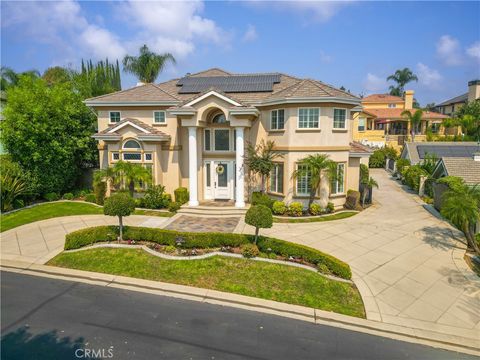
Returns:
point(169, 91)
point(152, 131)
point(395, 113)
point(465, 168)
point(358, 148)
point(381, 98)
point(416, 150)
point(457, 99)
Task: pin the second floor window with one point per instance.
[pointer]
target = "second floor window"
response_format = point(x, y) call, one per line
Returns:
point(361, 124)
point(114, 117)
point(276, 179)
point(391, 106)
point(339, 118)
point(277, 120)
point(308, 118)
point(159, 117)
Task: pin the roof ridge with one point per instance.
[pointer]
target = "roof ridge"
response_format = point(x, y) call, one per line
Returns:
point(159, 88)
point(214, 68)
point(336, 89)
point(117, 92)
point(288, 87)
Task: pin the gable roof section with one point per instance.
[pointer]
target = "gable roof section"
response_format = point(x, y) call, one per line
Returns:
point(465, 168)
point(211, 72)
point(395, 113)
point(147, 93)
point(416, 151)
point(211, 92)
point(359, 150)
point(145, 130)
point(382, 98)
point(455, 100)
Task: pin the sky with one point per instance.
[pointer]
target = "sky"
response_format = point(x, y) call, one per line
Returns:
point(355, 44)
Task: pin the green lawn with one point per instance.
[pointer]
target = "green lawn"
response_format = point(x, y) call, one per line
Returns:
point(46, 211)
point(246, 277)
point(342, 215)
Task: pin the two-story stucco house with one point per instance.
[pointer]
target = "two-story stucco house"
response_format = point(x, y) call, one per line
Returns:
point(193, 132)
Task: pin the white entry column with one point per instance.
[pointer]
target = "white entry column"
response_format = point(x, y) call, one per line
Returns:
point(240, 171)
point(192, 166)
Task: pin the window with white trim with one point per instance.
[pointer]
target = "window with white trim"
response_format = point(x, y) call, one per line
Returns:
point(131, 144)
point(148, 156)
point(114, 116)
point(308, 118)
point(277, 119)
point(276, 178)
point(361, 124)
point(159, 117)
point(207, 140)
point(115, 156)
point(132, 156)
point(339, 118)
point(303, 181)
point(337, 186)
point(391, 106)
point(222, 139)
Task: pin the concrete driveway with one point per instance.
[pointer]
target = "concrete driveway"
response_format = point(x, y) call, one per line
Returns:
point(407, 263)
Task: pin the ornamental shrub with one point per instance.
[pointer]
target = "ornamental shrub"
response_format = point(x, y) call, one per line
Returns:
point(67, 196)
point(279, 208)
point(90, 198)
point(402, 164)
point(259, 216)
point(295, 209)
point(120, 205)
point(330, 208)
point(100, 189)
point(80, 238)
point(364, 173)
point(453, 182)
point(412, 176)
point(155, 198)
point(249, 250)
point(315, 209)
point(51, 196)
point(181, 195)
point(174, 206)
point(170, 249)
point(377, 159)
point(259, 198)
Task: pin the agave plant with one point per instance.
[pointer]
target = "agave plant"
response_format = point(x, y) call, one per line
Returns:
point(13, 187)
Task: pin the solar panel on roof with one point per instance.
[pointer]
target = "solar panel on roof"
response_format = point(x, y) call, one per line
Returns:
point(233, 83)
point(446, 151)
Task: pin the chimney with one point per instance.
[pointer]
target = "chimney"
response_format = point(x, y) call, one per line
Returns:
point(473, 90)
point(476, 156)
point(409, 99)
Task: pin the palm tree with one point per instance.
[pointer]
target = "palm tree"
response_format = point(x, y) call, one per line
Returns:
point(402, 77)
point(461, 207)
point(316, 166)
point(10, 78)
point(260, 160)
point(148, 65)
point(414, 120)
point(131, 174)
point(367, 184)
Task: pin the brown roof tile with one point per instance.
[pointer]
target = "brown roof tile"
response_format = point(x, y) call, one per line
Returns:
point(147, 92)
point(465, 168)
point(356, 147)
point(397, 114)
point(152, 130)
point(381, 98)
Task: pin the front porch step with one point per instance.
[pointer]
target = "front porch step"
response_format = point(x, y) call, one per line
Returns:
point(212, 210)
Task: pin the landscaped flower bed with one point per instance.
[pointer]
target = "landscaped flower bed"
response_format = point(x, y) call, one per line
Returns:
point(268, 247)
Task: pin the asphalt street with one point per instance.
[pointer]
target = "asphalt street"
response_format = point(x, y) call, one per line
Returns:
point(43, 318)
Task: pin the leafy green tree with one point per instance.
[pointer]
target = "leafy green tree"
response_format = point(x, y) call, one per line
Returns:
point(9, 78)
point(368, 184)
point(414, 120)
point(468, 117)
point(401, 77)
point(260, 217)
point(260, 160)
point(316, 167)
point(56, 75)
point(120, 205)
point(95, 79)
point(47, 130)
point(461, 206)
point(148, 65)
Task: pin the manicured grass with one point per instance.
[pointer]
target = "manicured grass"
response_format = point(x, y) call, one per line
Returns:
point(46, 211)
point(246, 277)
point(153, 213)
point(342, 215)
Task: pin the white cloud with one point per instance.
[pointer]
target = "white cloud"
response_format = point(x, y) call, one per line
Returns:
point(101, 43)
point(449, 50)
point(320, 11)
point(429, 77)
point(374, 83)
point(474, 50)
point(250, 34)
point(325, 58)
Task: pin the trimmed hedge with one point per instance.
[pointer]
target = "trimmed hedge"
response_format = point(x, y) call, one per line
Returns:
point(80, 238)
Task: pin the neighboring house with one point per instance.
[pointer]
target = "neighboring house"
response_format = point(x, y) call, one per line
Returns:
point(379, 121)
point(466, 168)
point(416, 151)
point(450, 106)
point(193, 132)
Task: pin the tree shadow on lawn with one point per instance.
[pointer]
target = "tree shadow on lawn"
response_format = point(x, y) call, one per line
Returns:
point(441, 238)
point(22, 344)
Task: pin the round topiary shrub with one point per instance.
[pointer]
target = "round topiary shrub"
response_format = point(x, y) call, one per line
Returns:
point(181, 195)
point(330, 208)
point(315, 209)
point(52, 196)
point(120, 205)
point(259, 216)
point(174, 206)
point(249, 250)
point(90, 198)
point(295, 209)
point(259, 198)
point(279, 208)
point(68, 196)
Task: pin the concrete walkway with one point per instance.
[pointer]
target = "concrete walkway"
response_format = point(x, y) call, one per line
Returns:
point(407, 264)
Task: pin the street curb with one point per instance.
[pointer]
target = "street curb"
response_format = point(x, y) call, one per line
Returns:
point(430, 338)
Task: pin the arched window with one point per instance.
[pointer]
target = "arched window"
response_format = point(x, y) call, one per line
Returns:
point(131, 144)
point(219, 119)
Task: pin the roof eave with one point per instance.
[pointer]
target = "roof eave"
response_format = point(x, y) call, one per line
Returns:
point(107, 137)
point(298, 100)
point(131, 103)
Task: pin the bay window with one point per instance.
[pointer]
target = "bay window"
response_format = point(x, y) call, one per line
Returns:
point(339, 118)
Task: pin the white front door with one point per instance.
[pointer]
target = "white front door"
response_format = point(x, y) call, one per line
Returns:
point(219, 179)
